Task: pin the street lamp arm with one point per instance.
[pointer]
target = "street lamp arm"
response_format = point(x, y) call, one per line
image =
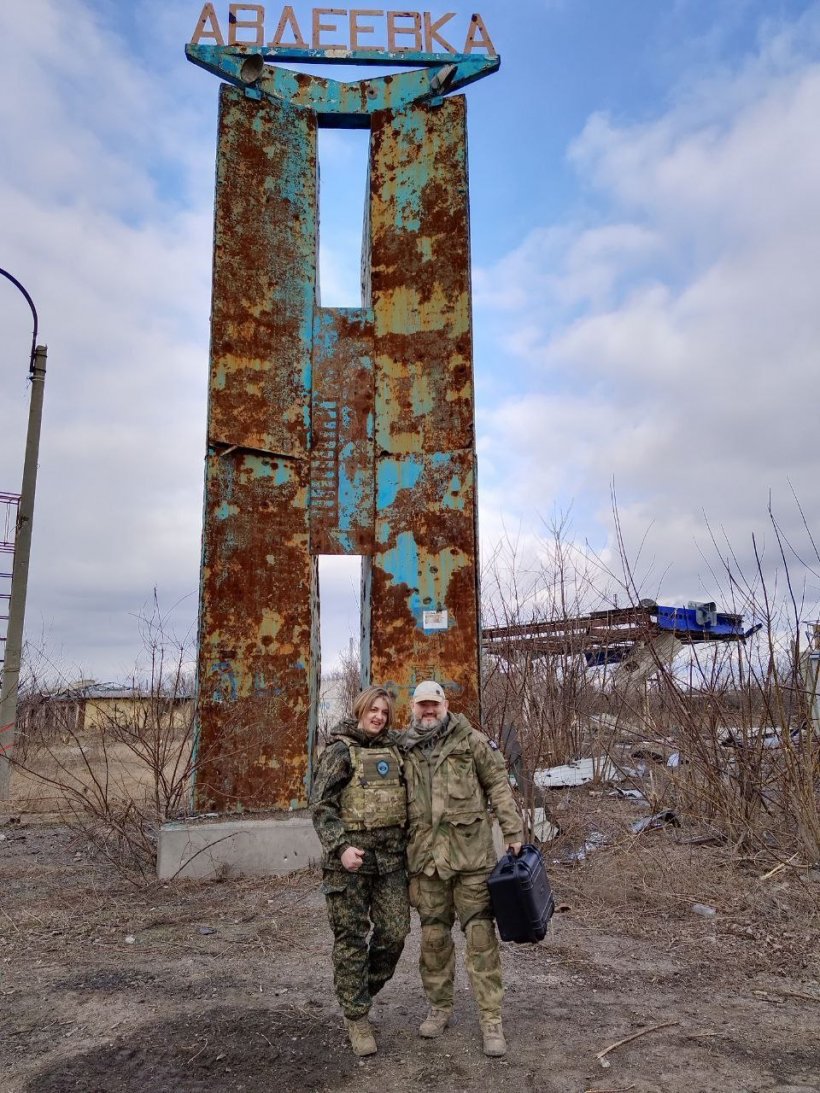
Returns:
point(22, 288)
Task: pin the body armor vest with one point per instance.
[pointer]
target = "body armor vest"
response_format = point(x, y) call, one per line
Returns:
point(375, 795)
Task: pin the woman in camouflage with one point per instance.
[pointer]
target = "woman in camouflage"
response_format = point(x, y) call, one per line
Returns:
point(360, 815)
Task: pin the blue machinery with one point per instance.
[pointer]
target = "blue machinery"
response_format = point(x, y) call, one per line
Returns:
point(612, 637)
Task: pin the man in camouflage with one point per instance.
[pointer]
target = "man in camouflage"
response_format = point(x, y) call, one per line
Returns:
point(452, 772)
point(359, 812)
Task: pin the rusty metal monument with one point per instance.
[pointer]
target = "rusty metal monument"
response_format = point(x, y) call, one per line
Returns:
point(334, 430)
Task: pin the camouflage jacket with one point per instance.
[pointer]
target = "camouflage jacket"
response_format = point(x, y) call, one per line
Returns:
point(384, 846)
point(449, 785)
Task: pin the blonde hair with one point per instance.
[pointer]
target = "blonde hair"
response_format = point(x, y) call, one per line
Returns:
point(367, 697)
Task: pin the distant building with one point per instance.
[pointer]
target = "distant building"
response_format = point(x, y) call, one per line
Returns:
point(90, 707)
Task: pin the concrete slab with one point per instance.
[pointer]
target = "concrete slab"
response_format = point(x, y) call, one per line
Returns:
point(209, 850)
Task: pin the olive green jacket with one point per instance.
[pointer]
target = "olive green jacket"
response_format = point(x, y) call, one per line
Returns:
point(448, 790)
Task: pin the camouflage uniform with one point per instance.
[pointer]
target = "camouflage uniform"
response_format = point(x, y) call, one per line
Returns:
point(344, 814)
point(450, 855)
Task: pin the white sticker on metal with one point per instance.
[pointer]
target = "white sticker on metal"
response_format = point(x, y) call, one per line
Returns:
point(434, 620)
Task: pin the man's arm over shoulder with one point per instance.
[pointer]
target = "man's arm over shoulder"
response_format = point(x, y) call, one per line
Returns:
point(332, 775)
point(492, 774)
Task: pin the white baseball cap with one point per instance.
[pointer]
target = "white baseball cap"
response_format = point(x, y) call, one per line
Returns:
point(429, 691)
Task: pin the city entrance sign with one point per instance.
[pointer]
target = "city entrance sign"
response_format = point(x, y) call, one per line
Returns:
point(334, 430)
point(330, 31)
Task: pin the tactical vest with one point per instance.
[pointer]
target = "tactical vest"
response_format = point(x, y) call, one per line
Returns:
point(375, 795)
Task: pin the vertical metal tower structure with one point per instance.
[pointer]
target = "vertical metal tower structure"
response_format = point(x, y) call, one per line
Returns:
point(333, 430)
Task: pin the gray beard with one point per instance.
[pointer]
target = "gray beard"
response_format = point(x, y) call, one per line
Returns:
point(427, 735)
point(430, 729)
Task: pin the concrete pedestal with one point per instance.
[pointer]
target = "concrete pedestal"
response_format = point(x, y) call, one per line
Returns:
point(202, 850)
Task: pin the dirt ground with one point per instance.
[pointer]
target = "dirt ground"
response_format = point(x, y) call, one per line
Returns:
point(183, 987)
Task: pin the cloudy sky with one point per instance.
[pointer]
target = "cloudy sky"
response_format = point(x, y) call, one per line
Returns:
point(646, 233)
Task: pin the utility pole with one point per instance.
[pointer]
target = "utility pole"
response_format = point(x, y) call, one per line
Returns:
point(22, 552)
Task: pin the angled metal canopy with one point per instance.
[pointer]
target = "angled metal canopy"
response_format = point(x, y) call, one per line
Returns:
point(256, 69)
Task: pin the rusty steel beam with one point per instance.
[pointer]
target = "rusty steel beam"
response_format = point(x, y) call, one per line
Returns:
point(420, 588)
point(341, 105)
point(258, 650)
point(617, 616)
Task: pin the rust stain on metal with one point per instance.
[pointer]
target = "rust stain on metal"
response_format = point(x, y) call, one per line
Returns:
point(422, 616)
point(342, 476)
point(425, 567)
point(258, 662)
point(256, 629)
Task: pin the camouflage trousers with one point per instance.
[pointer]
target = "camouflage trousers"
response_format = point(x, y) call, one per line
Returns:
point(362, 966)
point(437, 902)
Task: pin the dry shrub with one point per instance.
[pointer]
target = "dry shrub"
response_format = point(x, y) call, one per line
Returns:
point(342, 687)
point(117, 776)
point(745, 721)
point(551, 701)
point(649, 884)
point(116, 779)
point(741, 717)
point(750, 769)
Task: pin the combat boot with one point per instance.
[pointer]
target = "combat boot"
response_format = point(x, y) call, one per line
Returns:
point(435, 1023)
point(361, 1036)
point(494, 1043)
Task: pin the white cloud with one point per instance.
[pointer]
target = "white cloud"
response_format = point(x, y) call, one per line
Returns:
point(120, 277)
point(670, 344)
point(107, 212)
point(668, 340)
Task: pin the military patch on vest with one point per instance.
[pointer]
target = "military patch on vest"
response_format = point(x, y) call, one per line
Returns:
point(379, 768)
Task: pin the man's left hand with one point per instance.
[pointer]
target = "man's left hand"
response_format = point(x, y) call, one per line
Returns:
point(514, 848)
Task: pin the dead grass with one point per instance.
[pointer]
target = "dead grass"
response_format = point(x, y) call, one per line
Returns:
point(40, 785)
point(649, 884)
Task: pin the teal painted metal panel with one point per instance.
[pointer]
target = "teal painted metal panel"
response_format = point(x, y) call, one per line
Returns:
point(258, 650)
point(336, 103)
point(422, 584)
point(342, 477)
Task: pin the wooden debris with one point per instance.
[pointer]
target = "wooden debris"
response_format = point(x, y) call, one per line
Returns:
point(778, 868)
point(627, 1039)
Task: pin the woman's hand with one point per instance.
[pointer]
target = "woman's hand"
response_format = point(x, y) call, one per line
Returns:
point(352, 858)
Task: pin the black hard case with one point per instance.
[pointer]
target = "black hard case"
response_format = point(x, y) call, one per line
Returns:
point(521, 896)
